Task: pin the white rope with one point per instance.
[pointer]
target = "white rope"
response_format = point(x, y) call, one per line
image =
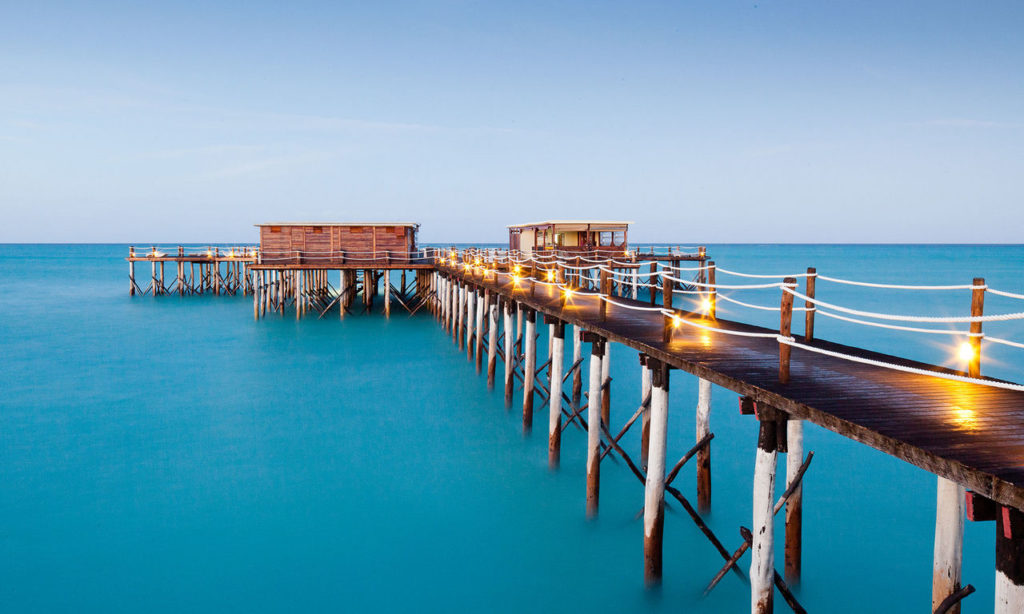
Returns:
point(913, 370)
point(893, 326)
point(725, 286)
point(738, 274)
point(742, 304)
point(1003, 342)
point(904, 318)
point(895, 286)
point(1006, 294)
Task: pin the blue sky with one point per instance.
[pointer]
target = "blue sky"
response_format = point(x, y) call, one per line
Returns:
point(701, 121)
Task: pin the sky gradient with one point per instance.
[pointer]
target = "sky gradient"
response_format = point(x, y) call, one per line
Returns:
point(700, 121)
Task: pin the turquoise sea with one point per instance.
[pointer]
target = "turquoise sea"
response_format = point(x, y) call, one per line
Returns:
point(170, 454)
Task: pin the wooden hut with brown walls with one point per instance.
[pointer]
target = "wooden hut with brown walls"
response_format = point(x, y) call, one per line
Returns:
point(337, 243)
point(569, 236)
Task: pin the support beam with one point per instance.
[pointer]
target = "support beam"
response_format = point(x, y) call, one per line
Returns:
point(654, 488)
point(762, 560)
point(949, 541)
point(387, 293)
point(704, 454)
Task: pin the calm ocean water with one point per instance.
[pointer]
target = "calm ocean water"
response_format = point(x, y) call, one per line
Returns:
point(169, 454)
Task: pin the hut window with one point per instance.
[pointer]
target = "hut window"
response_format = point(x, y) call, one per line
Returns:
point(317, 230)
point(619, 237)
point(357, 229)
point(275, 229)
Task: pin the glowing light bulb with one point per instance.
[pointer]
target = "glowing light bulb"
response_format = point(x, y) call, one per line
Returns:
point(676, 322)
point(705, 305)
point(209, 253)
point(551, 276)
point(568, 293)
point(515, 269)
point(966, 351)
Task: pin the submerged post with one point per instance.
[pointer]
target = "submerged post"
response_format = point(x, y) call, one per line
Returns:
point(481, 303)
point(577, 354)
point(387, 293)
point(470, 318)
point(557, 353)
point(704, 454)
point(654, 488)
point(762, 560)
point(594, 424)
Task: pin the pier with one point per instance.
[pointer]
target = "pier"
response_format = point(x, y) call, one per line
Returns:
point(959, 425)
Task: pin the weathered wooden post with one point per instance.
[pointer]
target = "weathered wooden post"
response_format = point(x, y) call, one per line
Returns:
point(594, 423)
point(215, 270)
point(949, 541)
point(387, 293)
point(297, 282)
point(795, 504)
point(529, 366)
point(652, 284)
point(666, 300)
point(481, 303)
point(509, 352)
point(492, 338)
point(785, 324)
point(256, 304)
point(606, 386)
point(654, 488)
point(577, 354)
point(460, 331)
point(604, 290)
point(470, 319)
point(977, 310)
point(704, 454)
point(152, 258)
point(1009, 561)
point(556, 351)
point(131, 270)
point(712, 290)
point(812, 275)
point(645, 415)
point(762, 560)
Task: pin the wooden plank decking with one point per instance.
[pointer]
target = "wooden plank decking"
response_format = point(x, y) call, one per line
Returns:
point(970, 433)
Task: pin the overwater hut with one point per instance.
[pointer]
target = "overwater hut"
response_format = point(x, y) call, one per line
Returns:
point(571, 236)
point(328, 243)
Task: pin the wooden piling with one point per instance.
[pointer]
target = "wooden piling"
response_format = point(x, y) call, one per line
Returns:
point(529, 366)
point(471, 300)
point(704, 454)
point(795, 503)
point(949, 541)
point(762, 560)
point(1009, 561)
point(492, 338)
point(577, 354)
point(556, 352)
point(654, 487)
point(387, 293)
point(131, 270)
point(594, 425)
point(645, 414)
point(509, 352)
point(606, 387)
point(481, 303)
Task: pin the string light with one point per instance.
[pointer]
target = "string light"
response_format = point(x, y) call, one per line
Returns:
point(705, 305)
point(966, 351)
point(551, 276)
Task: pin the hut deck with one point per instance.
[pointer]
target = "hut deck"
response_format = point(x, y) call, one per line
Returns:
point(969, 433)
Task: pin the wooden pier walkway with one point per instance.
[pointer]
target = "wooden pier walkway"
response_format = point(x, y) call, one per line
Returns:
point(969, 433)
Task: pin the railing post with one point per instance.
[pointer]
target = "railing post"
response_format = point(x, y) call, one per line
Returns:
point(604, 291)
point(652, 284)
point(977, 310)
point(712, 291)
point(785, 326)
point(812, 275)
point(666, 302)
